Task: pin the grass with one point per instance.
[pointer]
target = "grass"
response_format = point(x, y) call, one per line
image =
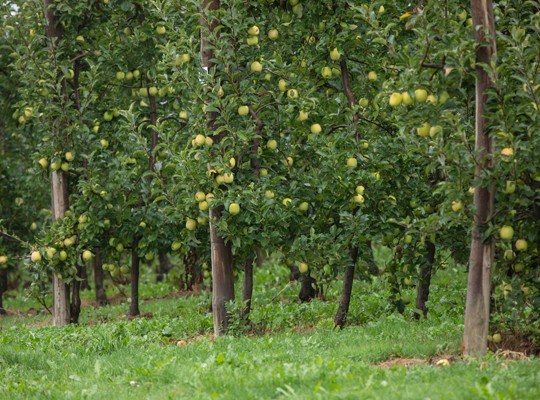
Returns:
point(292, 353)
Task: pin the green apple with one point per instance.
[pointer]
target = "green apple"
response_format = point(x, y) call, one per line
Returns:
point(203, 205)
point(352, 162)
point(161, 30)
point(292, 93)
point(64, 166)
point(326, 72)
point(243, 110)
point(457, 205)
point(497, 338)
point(271, 144)
point(252, 40)
point(282, 85)
point(87, 255)
point(521, 245)
point(120, 75)
point(420, 95)
point(176, 245)
point(191, 224)
point(359, 189)
point(104, 143)
point(183, 114)
point(506, 232)
point(256, 67)
point(302, 116)
point(372, 76)
point(234, 208)
point(358, 199)
point(228, 177)
point(253, 31)
point(200, 140)
point(119, 247)
point(108, 116)
point(153, 91)
point(395, 99)
point(407, 99)
point(431, 99)
point(3, 261)
point(303, 267)
point(43, 162)
point(62, 255)
point(434, 131)
point(304, 206)
point(269, 194)
point(286, 201)
point(423, 131)
point(335, 54)
point(316, 128)
point(200, 196)
point(69, 156)
point(273, 34)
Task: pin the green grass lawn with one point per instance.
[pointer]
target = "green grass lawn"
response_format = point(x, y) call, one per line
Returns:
point(292, 352)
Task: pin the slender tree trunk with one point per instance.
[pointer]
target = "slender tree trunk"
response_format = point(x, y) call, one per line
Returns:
point(247, 290)
point(164, 267)
point(222, 275)
point(346, 292)
point(422, 294)
point(85, 285)
point(221, 254)
point(61, 306)
point(101, 296)
point(135, 263)
point(75, 306)
point(482, 251)
point(3, 288)
point(308, 289)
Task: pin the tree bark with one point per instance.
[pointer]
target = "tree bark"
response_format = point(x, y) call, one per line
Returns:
point(85, 285)
point(135, 263)
point(3, 288)
point(222, 275)
point(308, 289)
point(247, 290)
point(482, 252)
point(164, 267)
point(348, 278)
point(61, 306)
point(101, 296)
point(422, 294)
point(75, 306)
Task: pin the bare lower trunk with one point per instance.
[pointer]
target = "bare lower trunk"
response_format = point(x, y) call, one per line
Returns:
point(135, 264)
point(75, 306)
point(482, 251)
point(164, 267)
point(192, 273)
point(247, 290)
point(308, 288)
point(61, 307)
point(346, 292)
point(85, 285)
point(3, 288)
point(222, 276)
point(101, 296)
point(422, 294)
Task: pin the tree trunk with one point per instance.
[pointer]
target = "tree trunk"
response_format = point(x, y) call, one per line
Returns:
point(75, 306)
point(482, 251)
point(422, 293)
point(101, 296)
point(222, 275)
point(61, 306)
point(348, 278)
point(164, 267)
point(85, 285)
point(135, 263)
point(308, 289)
point(247, 290)
point(221, 254)
point(3, 288)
